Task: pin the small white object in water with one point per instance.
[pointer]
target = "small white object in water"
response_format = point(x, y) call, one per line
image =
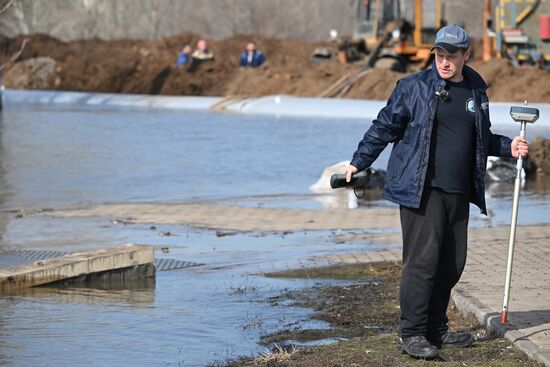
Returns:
point(501, 171)
point(323, 184)
point(339, 198)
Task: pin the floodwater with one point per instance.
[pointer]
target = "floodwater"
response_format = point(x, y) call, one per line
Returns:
point(56, 157)
point(65, 157)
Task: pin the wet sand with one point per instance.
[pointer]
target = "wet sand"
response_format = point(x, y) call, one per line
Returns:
point(234, 218)
point(240, 219)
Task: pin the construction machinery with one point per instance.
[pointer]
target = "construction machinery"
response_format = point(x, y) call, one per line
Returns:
point(384, 38)
point(520, 30)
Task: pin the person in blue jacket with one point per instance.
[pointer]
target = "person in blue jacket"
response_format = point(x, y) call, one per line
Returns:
point(252, 57)
point(438, 122)
point(184, 56)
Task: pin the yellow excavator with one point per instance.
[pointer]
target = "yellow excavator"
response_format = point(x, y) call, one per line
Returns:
point(383, 38)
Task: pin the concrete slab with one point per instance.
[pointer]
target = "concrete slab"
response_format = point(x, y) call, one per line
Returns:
point(81, 265)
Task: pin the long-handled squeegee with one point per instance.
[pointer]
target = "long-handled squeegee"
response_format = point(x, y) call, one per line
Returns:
point(523, 115)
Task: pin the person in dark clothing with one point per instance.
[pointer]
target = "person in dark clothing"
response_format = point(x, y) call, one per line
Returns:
point(438, 122)
point(252, 57)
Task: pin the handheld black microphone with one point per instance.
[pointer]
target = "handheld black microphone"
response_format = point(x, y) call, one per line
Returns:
point(442, 93)
point(338, 180)
point(359, 181)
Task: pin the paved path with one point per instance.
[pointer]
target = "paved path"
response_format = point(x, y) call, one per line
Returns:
point(481, 288)
point(238, 218)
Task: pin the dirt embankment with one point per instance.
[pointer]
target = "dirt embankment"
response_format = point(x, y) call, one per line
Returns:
point(142, 66)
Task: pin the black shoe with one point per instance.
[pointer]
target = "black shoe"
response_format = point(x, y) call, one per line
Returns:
point(417, 346)
point(453, 340)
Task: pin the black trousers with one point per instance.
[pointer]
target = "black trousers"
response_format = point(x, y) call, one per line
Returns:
point(434, 255)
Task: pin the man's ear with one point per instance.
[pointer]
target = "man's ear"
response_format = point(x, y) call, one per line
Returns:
point(467, 54)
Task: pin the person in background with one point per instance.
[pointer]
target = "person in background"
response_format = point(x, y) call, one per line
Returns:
point(202, 53)
point(252, 57)
point(184, 56)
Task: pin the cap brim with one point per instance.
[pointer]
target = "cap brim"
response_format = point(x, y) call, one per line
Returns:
point(447, 47)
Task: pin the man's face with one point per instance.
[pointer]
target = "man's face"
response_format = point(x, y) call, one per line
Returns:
point(449, 66)
point(201, 45)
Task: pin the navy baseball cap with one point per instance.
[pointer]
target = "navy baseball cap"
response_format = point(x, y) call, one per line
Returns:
point(451, 38)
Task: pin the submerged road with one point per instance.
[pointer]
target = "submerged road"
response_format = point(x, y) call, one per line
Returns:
point(480, 290)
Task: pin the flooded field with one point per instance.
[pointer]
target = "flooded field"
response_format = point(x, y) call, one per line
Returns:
point(57, 158)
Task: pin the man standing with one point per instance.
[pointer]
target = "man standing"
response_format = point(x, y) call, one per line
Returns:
point(251, 57)
point(438, 122)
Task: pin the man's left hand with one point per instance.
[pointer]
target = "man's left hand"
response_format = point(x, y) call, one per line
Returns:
point(519, 146)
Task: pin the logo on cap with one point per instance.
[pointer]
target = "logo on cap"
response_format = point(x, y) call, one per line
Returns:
point(451, 38)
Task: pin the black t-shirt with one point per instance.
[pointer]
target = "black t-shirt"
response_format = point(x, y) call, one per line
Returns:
point(452, 141)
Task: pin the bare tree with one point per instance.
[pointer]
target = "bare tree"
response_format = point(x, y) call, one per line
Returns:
point(15, 56)
point(6, 7)
point(23, 44)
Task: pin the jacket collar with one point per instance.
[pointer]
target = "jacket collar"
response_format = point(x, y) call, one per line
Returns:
point(475, 79)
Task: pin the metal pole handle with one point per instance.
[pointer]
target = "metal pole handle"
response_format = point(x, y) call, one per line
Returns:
point(511, 243)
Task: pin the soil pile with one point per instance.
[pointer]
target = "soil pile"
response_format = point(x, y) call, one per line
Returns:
point(148, 67)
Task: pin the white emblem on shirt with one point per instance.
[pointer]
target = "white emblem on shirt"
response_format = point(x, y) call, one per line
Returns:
point(470, 105)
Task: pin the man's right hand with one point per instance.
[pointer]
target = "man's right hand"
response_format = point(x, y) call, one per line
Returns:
point(350, 170)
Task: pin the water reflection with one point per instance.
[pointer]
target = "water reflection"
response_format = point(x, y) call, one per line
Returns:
point(539, 185)
point(138, 293)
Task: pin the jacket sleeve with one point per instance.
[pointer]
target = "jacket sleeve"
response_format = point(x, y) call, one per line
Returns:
point(261, 58)
point(386, 128)
point(243, 61)
point(500, 146)
point(182, 59)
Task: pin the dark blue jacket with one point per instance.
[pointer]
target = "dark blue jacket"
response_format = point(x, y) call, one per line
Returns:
point(257, 59)
point(407, 121)
point(183, 58)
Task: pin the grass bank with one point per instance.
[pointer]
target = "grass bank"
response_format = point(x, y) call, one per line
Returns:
point(363, 316)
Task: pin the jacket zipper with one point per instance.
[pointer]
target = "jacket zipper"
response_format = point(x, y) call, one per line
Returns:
point(477, 186)
point(426, 137)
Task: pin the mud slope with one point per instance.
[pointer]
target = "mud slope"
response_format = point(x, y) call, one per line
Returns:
point(143, 66)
